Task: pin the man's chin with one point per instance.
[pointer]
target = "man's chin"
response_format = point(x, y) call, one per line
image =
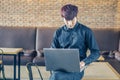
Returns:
point(70, 26)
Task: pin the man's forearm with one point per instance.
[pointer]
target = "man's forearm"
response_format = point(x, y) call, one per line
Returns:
point(92, 57)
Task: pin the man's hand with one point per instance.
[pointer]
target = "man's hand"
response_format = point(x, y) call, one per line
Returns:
point(82, 64)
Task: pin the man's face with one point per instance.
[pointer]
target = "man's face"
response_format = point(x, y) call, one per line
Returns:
point(70, 23)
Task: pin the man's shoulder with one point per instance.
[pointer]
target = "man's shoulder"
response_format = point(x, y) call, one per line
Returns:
point(60, 28)
point(84, 27)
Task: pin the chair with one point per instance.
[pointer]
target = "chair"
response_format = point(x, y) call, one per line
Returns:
point(2, 65)
point(29, 65)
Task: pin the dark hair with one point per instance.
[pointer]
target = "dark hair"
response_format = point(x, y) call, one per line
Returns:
point(69, 11)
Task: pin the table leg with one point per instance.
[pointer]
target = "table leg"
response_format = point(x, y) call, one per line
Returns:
point(14, 67)
point(19, 61)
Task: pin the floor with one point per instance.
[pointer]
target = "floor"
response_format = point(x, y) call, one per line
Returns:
point(113, 62)
point(93, 72)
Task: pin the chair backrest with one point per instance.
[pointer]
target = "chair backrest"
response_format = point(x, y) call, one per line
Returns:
point(108, 39)
point(44, 37)
point(2, 65)
point(18, 37)
point(1, 53)
point(29, 68)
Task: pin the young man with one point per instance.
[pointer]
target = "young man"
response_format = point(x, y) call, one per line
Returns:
point(74, 35)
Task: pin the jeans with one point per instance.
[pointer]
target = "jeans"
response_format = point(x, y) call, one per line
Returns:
point(59, 75)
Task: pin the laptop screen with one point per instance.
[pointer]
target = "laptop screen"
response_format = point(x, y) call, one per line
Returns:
point(62, 59)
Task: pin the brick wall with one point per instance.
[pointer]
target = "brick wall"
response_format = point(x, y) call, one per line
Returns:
point(118, 14)
point(40, 13)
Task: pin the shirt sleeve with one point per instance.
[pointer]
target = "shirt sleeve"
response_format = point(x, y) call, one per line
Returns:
point(92, 46)
point(55, 42)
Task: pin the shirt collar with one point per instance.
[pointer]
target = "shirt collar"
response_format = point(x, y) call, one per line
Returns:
point(69, 29)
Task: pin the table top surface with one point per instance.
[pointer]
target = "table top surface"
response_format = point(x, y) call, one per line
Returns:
point(0, 61)
point(101, 58)
point(11, 51)
point(101, 71)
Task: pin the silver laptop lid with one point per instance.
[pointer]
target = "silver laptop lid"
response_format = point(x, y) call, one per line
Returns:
point(62, 59)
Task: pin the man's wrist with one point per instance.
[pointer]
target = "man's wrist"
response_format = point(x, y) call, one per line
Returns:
point(82, 64)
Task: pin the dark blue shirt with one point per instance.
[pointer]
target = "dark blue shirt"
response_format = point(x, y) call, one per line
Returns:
point(80, 37)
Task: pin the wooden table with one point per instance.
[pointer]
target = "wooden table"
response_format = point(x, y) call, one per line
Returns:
point(101, 58)
point(101, 71)
point(13, 52)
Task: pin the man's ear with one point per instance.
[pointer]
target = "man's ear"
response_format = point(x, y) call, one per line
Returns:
point(75, 19)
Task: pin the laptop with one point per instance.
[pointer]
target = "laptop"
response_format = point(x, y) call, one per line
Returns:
point(66, 60)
